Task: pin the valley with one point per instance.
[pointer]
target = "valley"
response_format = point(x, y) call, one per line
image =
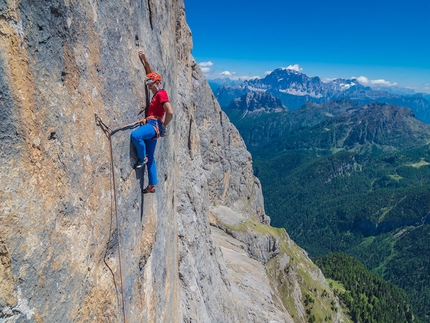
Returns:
point(342, 174)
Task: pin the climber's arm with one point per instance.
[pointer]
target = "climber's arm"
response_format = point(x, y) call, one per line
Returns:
point(145, 62)
point(169, 113)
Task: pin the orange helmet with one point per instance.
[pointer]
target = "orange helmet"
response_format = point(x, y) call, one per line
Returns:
point(153, 77)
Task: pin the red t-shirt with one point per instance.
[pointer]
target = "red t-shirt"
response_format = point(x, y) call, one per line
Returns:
point(156, 106)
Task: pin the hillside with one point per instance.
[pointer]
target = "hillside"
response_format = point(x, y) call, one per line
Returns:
point(330, 127)
point(368, 296)
point(346, 177)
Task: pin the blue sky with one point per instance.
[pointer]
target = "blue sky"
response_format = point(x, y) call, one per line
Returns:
point(384, 42)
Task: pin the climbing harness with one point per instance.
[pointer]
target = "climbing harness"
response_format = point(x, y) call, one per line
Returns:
point(156, 77)
point(156, 128)
point(109, 132)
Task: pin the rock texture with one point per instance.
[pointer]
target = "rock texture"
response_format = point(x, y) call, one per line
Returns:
point(258, 102)
point(188, 250)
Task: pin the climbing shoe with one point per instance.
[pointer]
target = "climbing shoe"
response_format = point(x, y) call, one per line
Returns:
point(140, 163)
point(148, 189)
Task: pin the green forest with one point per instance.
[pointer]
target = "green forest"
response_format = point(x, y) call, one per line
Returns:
point(368, 297)
point(373, 208)
point(342, 180)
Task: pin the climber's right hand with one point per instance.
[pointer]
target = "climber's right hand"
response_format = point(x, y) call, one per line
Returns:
point(163, 131)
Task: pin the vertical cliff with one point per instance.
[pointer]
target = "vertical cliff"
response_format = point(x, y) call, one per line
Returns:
point(199, 250)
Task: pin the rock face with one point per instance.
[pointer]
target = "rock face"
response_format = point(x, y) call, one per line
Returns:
point(258, 102)
point(188, 250)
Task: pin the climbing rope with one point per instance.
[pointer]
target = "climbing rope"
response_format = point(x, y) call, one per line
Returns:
point(109, 132)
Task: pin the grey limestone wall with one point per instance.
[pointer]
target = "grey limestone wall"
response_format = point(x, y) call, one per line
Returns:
point(61, 63)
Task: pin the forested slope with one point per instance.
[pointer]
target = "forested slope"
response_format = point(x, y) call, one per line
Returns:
point(345, 177)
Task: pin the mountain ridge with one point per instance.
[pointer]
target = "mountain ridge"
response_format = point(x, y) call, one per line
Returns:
point(340, 124)
point(295, 89)
point(257, 102)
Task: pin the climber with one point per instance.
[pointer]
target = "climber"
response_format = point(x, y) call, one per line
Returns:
point(154, 125)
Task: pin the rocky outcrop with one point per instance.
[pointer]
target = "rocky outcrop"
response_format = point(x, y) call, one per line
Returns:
point(258, 102)
point(188, 250)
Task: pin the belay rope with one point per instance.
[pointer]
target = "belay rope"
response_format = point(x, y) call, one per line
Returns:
point(109, 132)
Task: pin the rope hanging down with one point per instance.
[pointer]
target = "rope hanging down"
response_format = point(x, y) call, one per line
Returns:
point(109, 132)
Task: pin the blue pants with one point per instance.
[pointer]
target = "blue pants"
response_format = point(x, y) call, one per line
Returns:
point(143, 140)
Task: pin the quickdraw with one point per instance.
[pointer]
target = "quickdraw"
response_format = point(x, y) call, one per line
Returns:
point(111, 132)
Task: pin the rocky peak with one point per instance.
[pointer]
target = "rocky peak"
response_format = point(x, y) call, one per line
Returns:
point(258, 102)
point(296, 83)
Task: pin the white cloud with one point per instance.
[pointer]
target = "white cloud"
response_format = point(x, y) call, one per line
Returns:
point(267, 72)
point(249, 77)
point(227, 73)
point(328, 79)
point(295, 67)
point(212, 74)
point(233, 76)
point(362, 79)
point(381, 82)
point(206, 64)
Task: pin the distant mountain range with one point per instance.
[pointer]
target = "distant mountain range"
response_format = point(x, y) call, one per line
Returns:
point(329, 127)
point(294, 89)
